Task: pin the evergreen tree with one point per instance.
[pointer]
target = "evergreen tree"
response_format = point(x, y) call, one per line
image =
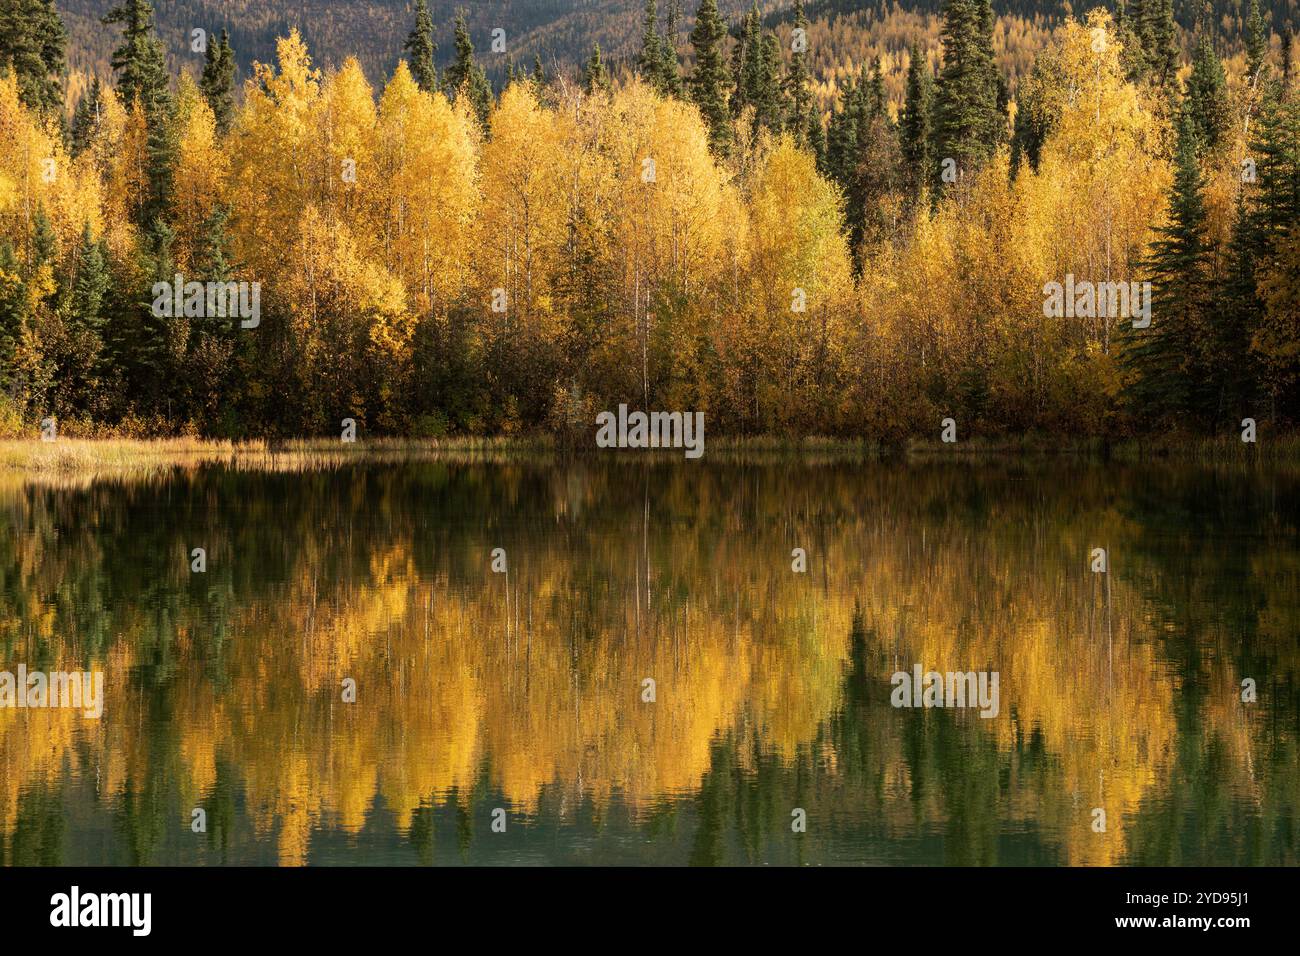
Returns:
point(842, 134)
point(816, 138)
point(538, 79)
point(916, 128)
point(422, 50)
point(142, 77)
point(81, 344)
point(871, 172)
point(33, 44)
point(90, 289)
point(217, 83)
point(32, 47)
point(1206, 100)
point(1033, 124)
point(969, 119)
point(13, 312)
point(1275, 147)
point(771, 103)
point(648, 60)
point(1163, 358)
point(1288, 41)
point(797, 95)
point(139, 62)
point(1129, 28)
point(465, 77)
point(44, 244)
point(1235, 370)
point(1160, 39)
point(708, 82)
point(86, 117)
point(670, 69)
point(746, 64)
point(594, 75)
point(1257, 36)
point(147, 345)
point(213, 258)
point(657, 62)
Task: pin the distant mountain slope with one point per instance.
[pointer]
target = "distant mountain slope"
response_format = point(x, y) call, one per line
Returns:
point(374, 30)
point(843, 32)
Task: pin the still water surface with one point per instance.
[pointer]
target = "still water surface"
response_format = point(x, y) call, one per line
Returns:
point(525, 690)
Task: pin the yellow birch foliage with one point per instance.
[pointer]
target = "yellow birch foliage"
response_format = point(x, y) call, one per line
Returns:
point(426, 164)
point(199, 176)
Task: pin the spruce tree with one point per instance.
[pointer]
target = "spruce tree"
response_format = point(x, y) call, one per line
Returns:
point(146, 346)
point(708, 82)
point(1160, 34)
point(1234, 370)
point(90, 289)
point(797, 95)
point(969, 123)
point(217, 83)
point(33, 44)
point(916, 127)
point(1164, 358)
point(594, 75)
point(86, 117)
point(1206, 100)
point(53, 46)
point(816, 139)
point(44, 244)
point(13, 313)
point(538, 79)
point(650, 60)
point(82, 344)
point(1275, 149)
point(747, 60)
point(1257, 36)
point(1288, 64)
point(670, 68)
point(465, 77)
point(842, 131)
point(1129, 31)
point(139, 62)
point(871, 172)
point(771, 103)
point(421, 49)
point(142, 77)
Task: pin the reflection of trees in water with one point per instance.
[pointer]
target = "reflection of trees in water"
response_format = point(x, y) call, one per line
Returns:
point(773, 687)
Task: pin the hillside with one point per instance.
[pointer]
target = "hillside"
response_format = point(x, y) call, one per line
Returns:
point(843, 33)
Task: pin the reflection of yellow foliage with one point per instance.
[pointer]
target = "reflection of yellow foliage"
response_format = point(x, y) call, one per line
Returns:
point(519, 674)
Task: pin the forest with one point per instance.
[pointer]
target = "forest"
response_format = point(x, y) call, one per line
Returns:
point(451, 255)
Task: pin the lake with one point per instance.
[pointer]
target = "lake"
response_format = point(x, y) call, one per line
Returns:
point(647, 671)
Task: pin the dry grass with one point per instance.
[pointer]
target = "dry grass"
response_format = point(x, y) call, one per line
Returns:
point(73, 457)
point(118, 456)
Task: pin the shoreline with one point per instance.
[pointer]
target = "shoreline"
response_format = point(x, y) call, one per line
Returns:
point(73, 456)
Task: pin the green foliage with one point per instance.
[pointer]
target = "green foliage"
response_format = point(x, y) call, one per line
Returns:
point(217, 82)
point(1167, 359)
point(970, 118)
point(142, 78)
point(594, 75)
point(422, 50)
point(33, 45)
point(916, 127)
point(86, 117)
point(466, 78)
point(1206, 99)
point(708, 82)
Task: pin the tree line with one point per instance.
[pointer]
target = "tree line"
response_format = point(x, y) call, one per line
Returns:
point(450, 258)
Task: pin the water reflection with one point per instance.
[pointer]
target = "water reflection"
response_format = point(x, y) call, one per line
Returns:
point(523, 689)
